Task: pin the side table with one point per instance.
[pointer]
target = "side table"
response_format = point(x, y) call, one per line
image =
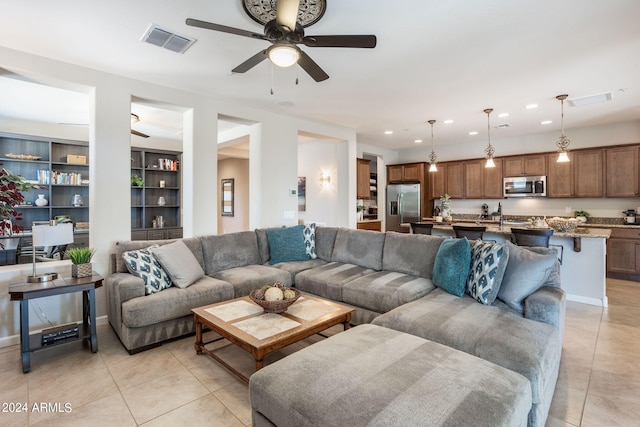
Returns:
point(23, 292)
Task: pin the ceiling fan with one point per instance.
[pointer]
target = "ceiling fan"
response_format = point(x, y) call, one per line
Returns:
point(285, 33)
point(135, 119)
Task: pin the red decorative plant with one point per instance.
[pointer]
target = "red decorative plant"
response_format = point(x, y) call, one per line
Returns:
point(11, 188)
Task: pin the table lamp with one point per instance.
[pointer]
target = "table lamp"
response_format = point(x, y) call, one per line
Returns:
point(49, 233)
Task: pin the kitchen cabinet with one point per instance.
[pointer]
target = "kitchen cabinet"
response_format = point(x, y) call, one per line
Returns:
point(409, 172)
point(437, 182)
point(582, 176)
point(529, 165)
point(481, 182)
point(363, 172)
point(454, 182)
point(158, 196)
point(370, 225)
point(622, 171)
point(623, 254)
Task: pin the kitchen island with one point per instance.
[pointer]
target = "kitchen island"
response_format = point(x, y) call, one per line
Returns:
point(582, 253)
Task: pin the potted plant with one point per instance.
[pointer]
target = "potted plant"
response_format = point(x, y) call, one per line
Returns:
point(445, 207)
point(137, 181)
point(360, 210)
point(582, 215)
point(11, 188)
point(81, 261)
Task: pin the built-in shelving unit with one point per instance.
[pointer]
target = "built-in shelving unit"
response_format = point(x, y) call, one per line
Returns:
point(159, 196)
point(60, 169)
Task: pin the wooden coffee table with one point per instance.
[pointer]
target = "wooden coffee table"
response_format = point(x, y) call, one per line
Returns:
point(246, 325)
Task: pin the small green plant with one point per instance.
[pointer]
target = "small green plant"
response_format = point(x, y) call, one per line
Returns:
point(137, 181)
point(359, 208)
point(80, 255)
point(582, 213)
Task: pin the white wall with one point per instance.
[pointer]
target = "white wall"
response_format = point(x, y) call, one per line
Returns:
point(314, 159)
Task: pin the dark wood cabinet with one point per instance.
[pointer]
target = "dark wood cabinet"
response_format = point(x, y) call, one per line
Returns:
point(623, 254)
point(408, 172)
point(363, 172)
point(455, 180)
point(582, 176)
point(437, 185)
point(370, 225)
point(622, 171)
point(529, 165)
point(492, 181)
point(473, 182)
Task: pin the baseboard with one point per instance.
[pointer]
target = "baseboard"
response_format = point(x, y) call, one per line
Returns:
point(591, 301)
point(15, 339)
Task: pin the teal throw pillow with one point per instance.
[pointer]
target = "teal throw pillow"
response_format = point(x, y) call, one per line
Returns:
point(488, 264)
point(287, 244)
point(451, 266)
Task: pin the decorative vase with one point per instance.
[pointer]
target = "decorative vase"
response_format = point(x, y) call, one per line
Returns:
point(581, 218)
point(161, 201)
point(41, 201)
point(81, 270)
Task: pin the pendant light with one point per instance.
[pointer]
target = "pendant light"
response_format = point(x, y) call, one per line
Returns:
point(489, 150)
point(562, 142)
point(432, 156)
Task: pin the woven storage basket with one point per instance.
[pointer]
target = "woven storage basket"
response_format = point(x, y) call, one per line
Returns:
point(81, 270)
point(275, 306)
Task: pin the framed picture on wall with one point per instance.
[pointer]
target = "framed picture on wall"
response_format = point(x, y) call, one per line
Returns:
point(302, 193)
point(227, 197)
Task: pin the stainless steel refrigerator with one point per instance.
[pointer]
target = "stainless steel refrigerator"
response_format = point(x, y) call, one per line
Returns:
point(403, 205)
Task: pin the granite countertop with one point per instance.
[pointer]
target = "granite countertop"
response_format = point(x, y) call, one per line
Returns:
point(587, 232)
point(369, 220)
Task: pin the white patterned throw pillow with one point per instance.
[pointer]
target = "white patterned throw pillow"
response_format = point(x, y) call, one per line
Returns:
point(488, 263)
point(143, 264)
point(309, 233)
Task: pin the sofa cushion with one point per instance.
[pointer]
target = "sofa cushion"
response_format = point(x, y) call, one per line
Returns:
point(413, 254)
point(500, 336)
point(526, 272)
point(373, 376)
point(249, 277)
point(488, 263)
point(193, 243)
point(359, 247)
point(295, 267)
point(385, 290)
point(451, 266)
point(174, 302)
point(327, 280)
point(143, 264)
point(179, 263)
point(325, 240)
point(286, 244)
point(231, 250)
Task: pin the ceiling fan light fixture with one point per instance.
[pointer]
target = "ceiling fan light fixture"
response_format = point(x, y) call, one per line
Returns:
point(283, 54)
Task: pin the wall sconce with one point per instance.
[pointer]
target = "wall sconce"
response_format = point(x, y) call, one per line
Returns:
point(325, 180)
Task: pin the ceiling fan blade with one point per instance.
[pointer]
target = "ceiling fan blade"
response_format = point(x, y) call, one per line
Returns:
point(364, 41)
point(313, 69)
point(135, 132)
point(251, 62)
point(223, 28)
point(287, 13)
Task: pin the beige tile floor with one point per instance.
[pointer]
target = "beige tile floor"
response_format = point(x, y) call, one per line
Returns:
point(599, 382)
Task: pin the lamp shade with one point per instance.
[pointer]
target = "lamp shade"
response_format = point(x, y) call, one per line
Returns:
point(52, 235)
point(283, 54)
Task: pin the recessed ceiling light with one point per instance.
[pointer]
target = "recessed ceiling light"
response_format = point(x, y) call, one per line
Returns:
point(531, 106)
point(473, 132)
point(503, 115)
point(388, 132)
point(418, 141)
point(546, 122)
point(448, 122)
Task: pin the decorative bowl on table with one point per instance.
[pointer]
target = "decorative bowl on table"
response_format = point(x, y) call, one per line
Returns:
point(563, 225)
point(271, 301)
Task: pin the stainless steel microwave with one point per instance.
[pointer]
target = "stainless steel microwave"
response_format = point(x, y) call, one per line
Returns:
point(525, 186)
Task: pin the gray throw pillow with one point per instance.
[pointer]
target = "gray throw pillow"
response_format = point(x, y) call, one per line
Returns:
point(179, 263)
point(526, 272)
point(488, 264)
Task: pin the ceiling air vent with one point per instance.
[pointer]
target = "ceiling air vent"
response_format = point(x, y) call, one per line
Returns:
point(502, 125)
point(591, 99)
point(167, 39)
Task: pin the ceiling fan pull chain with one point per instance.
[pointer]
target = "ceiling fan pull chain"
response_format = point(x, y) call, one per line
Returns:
point(271, 79)
point(297, 70)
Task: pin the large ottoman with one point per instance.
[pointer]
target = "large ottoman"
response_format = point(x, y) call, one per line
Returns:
point(374, 376)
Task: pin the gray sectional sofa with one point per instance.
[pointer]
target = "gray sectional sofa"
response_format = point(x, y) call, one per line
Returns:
point(386, 277)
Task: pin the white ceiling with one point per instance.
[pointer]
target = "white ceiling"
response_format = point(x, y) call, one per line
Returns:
point(434, 60)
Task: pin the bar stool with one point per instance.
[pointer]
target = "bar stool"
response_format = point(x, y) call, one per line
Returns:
point(468, 231)
point(531, 237)
point(421, 228)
